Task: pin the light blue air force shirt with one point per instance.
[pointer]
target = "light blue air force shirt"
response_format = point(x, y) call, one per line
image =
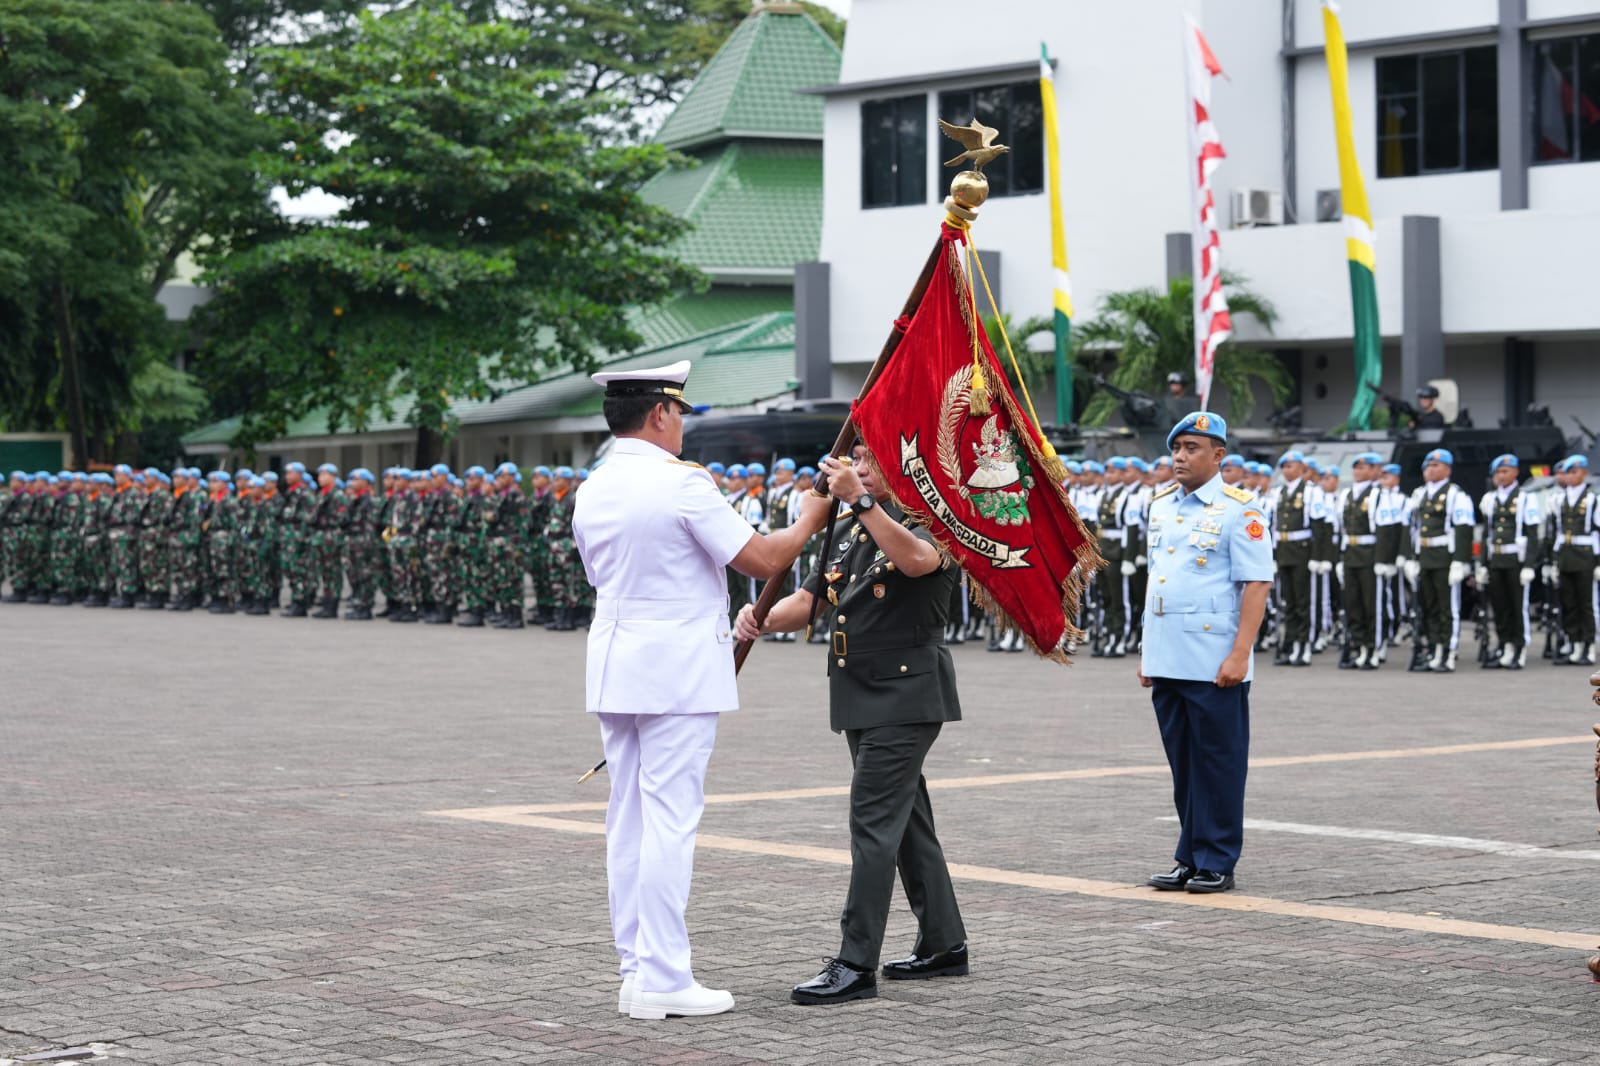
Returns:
point(1203, 547)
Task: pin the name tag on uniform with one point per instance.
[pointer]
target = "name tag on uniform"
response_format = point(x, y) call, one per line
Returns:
point(1208, 527)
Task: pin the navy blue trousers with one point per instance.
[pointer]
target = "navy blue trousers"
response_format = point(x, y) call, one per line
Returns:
point(1206, 731)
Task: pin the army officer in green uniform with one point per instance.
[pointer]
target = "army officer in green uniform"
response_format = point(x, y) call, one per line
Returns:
point(892, 686)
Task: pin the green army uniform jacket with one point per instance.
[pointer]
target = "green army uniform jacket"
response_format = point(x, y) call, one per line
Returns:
point(887, 661)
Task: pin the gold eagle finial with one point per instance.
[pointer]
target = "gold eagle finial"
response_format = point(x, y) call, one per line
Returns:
point(978, 139)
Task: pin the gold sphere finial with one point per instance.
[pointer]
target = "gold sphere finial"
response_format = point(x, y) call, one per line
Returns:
point(969, 189)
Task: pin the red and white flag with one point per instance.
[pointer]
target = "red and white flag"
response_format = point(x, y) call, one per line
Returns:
point(1212, 325)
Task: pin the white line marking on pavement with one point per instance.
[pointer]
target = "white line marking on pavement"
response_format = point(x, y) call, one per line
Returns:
point(1421, 840)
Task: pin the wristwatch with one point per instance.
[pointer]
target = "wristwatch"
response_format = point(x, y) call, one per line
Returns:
point(865, 502)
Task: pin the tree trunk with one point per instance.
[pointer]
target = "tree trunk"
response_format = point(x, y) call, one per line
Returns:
point(67, 348)
point(430, 447)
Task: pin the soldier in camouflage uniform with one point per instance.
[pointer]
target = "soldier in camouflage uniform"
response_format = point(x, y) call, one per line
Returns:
point(299, 500)
point(536, 553)
point(126, 504)
point(221, 528)
point(12, 506)
point(363, 550)
point(255, 550)
point(33, 540)
point(563, 566)
point(95, 558)
point(400, 536)
point(273, 502)
point(325, 543)
point(384, 579)
point(183, 539)
point(439, 528)
point(476, 511)
point(504, 566)
point(64, 519)
point(153, 574)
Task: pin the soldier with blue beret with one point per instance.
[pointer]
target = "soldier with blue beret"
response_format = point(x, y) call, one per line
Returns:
point(1210, 568)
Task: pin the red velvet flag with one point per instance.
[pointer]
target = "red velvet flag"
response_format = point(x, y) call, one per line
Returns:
point(976, 474)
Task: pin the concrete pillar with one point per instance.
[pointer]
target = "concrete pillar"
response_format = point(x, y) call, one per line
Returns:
point(813, 345)
point(1422, 337)
point(1511, 54)
point(1180, 256)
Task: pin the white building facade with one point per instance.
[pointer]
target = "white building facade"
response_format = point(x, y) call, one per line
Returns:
point(1477, 124)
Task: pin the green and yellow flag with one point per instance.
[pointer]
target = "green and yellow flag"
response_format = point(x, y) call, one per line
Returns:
point(1062, 318)
point(1358, 236)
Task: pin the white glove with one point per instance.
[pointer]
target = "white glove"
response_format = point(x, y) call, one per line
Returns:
point(1480, 574)
point(1413, 569)
point(1128, 568)
point(1324, 567)
point(1338, 572)
point(1550, 574)
point(1458, 573)
point(1142, 561)
point(1385, 569)
point(1525, 575)
point(1274, 568)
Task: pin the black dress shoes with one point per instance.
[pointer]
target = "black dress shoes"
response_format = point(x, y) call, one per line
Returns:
point(1209, 881)
point(1174, 881)
point(952, 963)
point(839, 982)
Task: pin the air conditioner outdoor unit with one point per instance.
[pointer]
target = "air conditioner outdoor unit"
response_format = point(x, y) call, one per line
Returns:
point(1257, 207)
point(1330, 205)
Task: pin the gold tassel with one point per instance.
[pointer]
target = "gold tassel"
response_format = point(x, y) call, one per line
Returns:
point(978, 399)
point(1052, 464)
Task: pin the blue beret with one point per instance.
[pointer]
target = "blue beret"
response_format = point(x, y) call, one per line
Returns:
point(1316, 466)
point(583, 473)
point(784, 464)
point(223, 475)
point(51, 479)
point(1093, 466)
point(564, 471)
point(416, 475)
point(1439, 455)
point(268, 476)
point(79, 475)
point(1200, 423)
point(1233, 459)
point(67, 474)
point(505, 468)
point(122, 468)
point(328, 468)
point(17, 475)
point(361, 472)
point(1291, 456)
point(476, 471)
point(1574, 462)
point(1139, 464)
point(806, 471)
point(755, 469)
point(736, 470)
point(138, 478)
point(716, 468)
point(257, 482)
point(1370, 458)
point(541, 470)
point(296, 468)
point(440, 470)
point(1391, 468)
point(1073, 466)
point(164, 479)
point(1118, 462)
point(245, 471)
point(1504, 460)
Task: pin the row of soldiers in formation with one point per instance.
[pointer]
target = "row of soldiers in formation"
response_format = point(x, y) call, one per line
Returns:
point(1363, 565)
point(440, 548)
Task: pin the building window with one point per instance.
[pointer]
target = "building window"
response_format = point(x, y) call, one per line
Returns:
point(1017, 112)
point(1438, 112)
point(1566, 100)
point(894, 151)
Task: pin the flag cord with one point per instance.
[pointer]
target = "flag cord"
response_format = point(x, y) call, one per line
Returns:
point(1052, 462)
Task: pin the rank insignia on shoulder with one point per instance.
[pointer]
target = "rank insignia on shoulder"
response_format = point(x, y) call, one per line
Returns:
point(1166, 491)
point(685, 462)
point(1242, 495)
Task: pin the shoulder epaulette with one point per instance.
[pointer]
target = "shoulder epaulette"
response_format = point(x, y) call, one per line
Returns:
point(1234, 491)
point(685, 462)
point(1165, 492)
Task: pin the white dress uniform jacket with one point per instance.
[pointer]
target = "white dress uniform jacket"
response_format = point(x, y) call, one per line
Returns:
point(656, 537)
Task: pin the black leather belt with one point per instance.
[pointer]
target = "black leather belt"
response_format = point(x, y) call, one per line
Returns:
point(885, 640)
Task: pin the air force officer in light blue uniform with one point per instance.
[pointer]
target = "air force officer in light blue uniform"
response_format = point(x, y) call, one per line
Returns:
point(1210, 555)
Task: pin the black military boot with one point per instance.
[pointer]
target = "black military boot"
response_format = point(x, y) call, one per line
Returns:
point(388, 609)
point(403, 613)
point(39, 597)
point(220, 606)
point(259, 608)
point(294, 610)
point(328, 608)
point(510, 620)
point(552, 620)
point(358, 614)
point(567, 619)
point(542, 615)
point(60, 599)
point(183, 603)
point(471, 620)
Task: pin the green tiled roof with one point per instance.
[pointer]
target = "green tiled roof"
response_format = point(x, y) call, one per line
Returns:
point(735, 365)
point(748, 88)
point(755, 206)
point(695, 313)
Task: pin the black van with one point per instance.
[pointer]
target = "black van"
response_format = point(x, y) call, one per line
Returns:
point(804, 431)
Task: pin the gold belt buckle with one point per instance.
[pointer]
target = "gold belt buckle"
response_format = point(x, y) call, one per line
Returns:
point(840, 644)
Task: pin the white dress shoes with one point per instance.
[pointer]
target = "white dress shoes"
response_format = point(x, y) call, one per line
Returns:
point(625, 997)
point(692, 1002)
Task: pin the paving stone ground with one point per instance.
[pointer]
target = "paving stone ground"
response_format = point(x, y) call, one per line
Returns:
point(220, 845)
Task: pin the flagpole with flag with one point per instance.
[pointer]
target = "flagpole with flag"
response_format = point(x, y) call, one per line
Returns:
point(1061, 319)
point(1212, 323)
point(1358, 234)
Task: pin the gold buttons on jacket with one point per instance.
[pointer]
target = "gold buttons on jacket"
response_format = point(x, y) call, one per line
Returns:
point(1206, 626)
point(841, 662)
point(862, 538)
point(841, 619)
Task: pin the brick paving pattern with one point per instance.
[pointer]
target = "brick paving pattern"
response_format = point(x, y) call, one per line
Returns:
point(221, 845)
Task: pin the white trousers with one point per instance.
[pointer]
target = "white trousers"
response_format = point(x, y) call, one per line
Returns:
point(657, 765)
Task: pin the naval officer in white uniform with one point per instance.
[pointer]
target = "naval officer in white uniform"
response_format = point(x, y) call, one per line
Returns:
point(656, 536)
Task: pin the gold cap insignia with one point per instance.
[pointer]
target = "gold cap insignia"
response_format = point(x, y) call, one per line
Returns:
point(1202, 423)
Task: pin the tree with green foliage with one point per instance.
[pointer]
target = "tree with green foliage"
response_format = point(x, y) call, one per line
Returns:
point(1150, 333)
point(487, 235)
point(125, 141)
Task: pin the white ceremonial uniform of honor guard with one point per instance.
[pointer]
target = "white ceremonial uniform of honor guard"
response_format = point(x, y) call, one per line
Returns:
point(655, 536)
